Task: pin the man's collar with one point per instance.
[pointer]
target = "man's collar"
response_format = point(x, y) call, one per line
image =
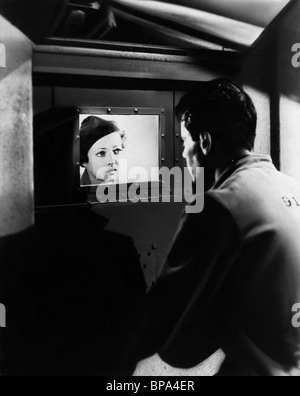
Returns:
point(242, 163)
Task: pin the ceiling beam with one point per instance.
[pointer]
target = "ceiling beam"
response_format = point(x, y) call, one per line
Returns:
point(199, 24)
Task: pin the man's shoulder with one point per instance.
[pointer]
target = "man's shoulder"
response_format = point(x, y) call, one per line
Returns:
point(253, 193)
point(253, 183)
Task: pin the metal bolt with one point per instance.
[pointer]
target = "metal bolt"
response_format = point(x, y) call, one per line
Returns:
point(77, 137)
point(163, 135)
point(109, 110)
point(136, 111)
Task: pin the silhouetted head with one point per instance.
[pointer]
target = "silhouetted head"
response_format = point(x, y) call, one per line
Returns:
point(218, 123)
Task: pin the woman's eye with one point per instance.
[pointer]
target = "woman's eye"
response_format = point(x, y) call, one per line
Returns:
point(117, 151)
point(101, 154)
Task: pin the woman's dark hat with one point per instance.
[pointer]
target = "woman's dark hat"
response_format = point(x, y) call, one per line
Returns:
point(93, 129)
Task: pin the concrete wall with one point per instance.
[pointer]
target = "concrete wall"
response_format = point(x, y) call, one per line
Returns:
point(262, 104)
point(269, 72)
point(253, 75)
point(289, 93)
point(290, 137)
point(16, 158)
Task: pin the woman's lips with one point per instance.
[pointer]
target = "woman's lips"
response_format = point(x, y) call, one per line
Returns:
point(111, 176)
point(107, 175)
point(111, 173)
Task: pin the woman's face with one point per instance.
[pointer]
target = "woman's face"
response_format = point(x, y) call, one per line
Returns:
point(103, 156)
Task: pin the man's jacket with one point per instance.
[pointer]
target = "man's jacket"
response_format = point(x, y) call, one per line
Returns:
point(232, 278)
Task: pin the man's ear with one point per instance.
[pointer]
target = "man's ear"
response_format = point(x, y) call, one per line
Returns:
point(205, 143)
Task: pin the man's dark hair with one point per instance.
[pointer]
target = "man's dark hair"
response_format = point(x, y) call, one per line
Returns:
point(223, 109)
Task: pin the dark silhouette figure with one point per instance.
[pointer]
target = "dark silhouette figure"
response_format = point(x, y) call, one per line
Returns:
point(68, 286)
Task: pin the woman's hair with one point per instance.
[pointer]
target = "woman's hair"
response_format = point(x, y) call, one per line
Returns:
point(223, 109)
point(93, 129)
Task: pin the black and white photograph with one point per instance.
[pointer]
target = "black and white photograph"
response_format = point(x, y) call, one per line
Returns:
point(150, 191)
point(107, 141)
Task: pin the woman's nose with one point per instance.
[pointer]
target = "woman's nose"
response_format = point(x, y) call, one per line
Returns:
point(112, 159)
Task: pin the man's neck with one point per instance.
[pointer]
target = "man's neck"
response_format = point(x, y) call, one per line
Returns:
point(225, 162)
